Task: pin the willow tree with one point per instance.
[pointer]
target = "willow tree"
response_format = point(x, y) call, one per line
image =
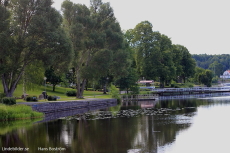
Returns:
point(97, 40)
point(31, 33)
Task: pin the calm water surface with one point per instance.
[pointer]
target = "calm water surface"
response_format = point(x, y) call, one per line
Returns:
point(194, 125)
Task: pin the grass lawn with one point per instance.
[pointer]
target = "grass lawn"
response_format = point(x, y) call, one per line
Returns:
point(60, 91)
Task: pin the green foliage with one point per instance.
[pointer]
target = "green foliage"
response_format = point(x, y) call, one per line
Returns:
point(203, 76)
point(8, 126)
point(33, 75)
point(9, 101)
point(52, 98)
point(186, 65)
point(97, 41)
point(145, 89)
point(30, 38)
point(17, 112)
point(206, 78)
point(135, 89)
point(2, 95)
point(207, 62)
point(52, 77)
point(182, 85)
point(215, 79)
point(114, 92)
point(71, 93)
point(33, 98)
point(217, 68)
point(156, 56)
point(126, 83)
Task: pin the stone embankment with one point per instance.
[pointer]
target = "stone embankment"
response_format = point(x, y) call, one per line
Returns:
point(53, 107)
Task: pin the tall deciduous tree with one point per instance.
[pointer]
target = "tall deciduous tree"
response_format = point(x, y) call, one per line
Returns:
point(184, 63)
point(52, 77)
point(32, 34)
point(206, 78)
point(188, 64)
point(153, 52)
point(97, 40)
point(217, 68)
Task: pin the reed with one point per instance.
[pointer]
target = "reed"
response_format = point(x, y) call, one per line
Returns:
point(15, 112)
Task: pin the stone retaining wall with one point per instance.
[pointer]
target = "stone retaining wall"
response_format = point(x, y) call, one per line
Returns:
point(51, 107)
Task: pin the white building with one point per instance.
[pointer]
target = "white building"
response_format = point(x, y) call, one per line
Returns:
point(226, 75)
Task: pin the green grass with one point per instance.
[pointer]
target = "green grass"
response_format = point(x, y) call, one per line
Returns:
point(14, 112)
point(60, 91)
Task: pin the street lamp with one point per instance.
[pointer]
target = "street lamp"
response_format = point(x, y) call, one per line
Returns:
point(93, 90)
point(105, 85)
point(44, 92)
point(45, 78)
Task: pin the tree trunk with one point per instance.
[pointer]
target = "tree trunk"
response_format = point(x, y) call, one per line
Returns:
point(80, 86)
point(83, 87)
point(9, 84)
point(8, 90)
point(54, 85)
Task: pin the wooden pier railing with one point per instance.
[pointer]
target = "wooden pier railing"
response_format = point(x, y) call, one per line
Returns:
point(140, 97)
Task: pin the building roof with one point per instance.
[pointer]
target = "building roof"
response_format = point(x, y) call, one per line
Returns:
point(227, 72)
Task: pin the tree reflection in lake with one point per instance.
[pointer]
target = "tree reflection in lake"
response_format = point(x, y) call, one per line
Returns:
point(128, 127)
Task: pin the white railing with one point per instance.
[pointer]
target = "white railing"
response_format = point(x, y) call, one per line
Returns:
point(144, 96)
point(191, 89)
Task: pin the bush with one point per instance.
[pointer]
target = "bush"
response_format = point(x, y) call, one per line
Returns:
point(156, 83)
point(2, 95)
point(144, 89)
point(135, 89)
point(9, 101)
point(182, 85)
point(114, 92)
point(52, 98)
point(17, 112)
point(34, 98)
point(71, 93)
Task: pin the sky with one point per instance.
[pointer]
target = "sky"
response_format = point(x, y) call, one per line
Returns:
point(202, 26)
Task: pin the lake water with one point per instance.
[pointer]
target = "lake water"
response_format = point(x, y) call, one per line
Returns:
point(193, 125)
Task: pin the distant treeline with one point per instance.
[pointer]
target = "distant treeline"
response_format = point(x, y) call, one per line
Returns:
point(205, 61)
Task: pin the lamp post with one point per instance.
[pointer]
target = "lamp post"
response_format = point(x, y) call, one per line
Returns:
point(44, 92)
point(93, 90)
point(105, 85)
point(45, 78)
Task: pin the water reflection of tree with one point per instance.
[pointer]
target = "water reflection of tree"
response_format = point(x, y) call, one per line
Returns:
point(10, 133)
point(109, 135)
point(178, 103)
point(12, 139)
point(105, 135)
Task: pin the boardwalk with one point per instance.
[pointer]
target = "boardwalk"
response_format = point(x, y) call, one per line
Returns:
point(184, 91)
point(177, 93)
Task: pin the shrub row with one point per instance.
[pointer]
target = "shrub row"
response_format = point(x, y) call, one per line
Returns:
point(33, 98)
point(9, 101)
point(71, 93)
point(52, 98)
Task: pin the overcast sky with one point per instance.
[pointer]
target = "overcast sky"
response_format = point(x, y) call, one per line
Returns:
point(202, 26)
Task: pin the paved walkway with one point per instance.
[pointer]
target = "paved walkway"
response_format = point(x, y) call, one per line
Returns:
point(42, 102)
